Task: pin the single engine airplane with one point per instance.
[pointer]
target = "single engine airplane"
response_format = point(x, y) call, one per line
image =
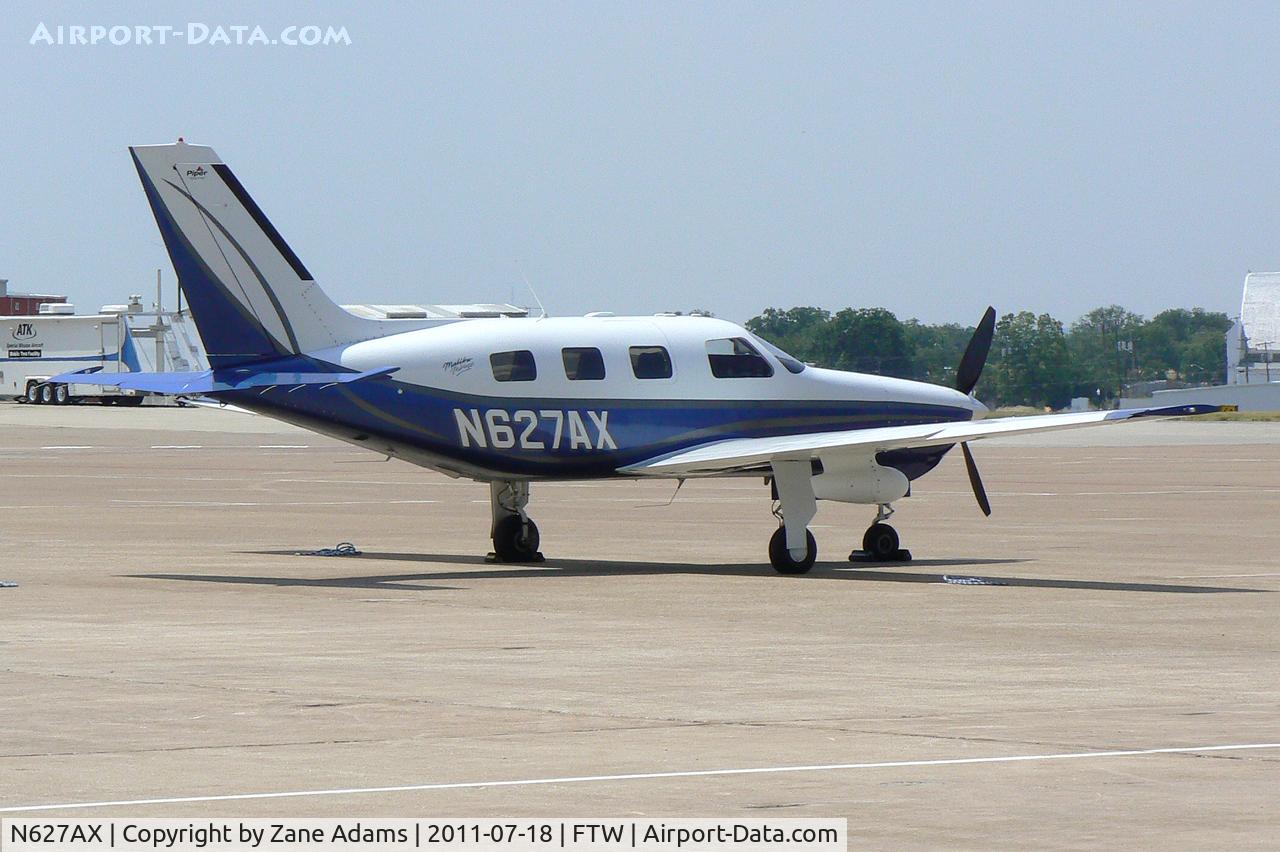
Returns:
point(509, 401)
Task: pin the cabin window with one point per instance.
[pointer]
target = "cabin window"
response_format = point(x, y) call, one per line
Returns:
point(517, 366)
point(650, 362)
point(735, 358)
point(582, 363)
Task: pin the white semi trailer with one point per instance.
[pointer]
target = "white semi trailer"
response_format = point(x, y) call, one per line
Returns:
point(37, 347)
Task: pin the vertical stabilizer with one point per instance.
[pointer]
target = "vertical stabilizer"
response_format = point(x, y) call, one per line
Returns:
point(250, 295)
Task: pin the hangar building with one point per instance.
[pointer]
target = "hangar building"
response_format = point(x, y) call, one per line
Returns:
point(1252, 347)
point(1253, 340)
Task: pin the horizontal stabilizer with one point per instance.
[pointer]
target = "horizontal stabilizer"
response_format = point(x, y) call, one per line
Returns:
point(214, 381)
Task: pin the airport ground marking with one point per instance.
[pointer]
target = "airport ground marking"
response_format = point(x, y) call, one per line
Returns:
point(1221, 576)
point(233, 503)
point(643, 776)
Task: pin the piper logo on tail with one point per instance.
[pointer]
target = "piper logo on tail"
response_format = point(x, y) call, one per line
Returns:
point(197, 172)
point(572, 430)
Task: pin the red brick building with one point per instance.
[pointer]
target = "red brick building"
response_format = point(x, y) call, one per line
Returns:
point(23, 304)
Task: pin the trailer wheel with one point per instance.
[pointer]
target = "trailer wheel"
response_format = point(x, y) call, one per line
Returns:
point(46, 395)
point(33, 393)
point(61, 394)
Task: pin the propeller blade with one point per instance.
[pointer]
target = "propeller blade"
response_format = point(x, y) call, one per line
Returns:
point(976, 481)
point(975, 355)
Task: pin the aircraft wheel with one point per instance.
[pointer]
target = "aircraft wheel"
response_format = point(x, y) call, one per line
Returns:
point(880, 542)
point(61, 394)
point(780, 557)
point(516, 540)
point(33, 393)
point(46, 394)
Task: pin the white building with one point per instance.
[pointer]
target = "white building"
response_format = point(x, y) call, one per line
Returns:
point(1253, 368)
point(1253, 340)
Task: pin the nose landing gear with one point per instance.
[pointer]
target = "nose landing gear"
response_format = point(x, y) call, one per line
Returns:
point(516, 539)
point(880, 541)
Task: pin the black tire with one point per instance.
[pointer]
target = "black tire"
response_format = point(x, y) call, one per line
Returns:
point(880, 542)
point(780, 557)
point(33, 393)
point(46, 394)
point(516, 540)
point(61, 395)
point(129, 401)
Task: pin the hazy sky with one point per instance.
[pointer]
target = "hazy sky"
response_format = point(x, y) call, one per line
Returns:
point(635, 157)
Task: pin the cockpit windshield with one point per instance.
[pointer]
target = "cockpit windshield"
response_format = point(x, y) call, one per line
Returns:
point(792, 365)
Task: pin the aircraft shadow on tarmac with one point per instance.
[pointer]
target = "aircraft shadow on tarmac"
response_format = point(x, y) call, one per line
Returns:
point(562, 568)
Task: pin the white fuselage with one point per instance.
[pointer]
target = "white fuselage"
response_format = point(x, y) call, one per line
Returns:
point(454, 358)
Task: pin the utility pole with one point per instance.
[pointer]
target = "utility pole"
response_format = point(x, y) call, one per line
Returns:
point(158, 328)
point(1125, 348)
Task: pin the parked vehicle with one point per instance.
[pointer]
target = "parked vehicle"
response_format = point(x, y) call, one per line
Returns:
point(38, 347)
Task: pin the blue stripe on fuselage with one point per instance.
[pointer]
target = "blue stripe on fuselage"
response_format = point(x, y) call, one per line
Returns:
point(392, 413)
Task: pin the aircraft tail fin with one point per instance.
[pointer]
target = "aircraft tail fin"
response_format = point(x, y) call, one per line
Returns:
point(251, 297)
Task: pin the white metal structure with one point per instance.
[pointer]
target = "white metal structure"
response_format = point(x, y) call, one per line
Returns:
point(1253, 343)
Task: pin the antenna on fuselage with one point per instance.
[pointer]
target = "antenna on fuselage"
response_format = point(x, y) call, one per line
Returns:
point(674, 495)
point(527, 283)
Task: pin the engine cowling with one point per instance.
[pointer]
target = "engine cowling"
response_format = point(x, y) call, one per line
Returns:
point(859, 481)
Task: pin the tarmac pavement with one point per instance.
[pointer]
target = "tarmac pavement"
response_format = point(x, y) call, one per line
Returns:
point(165, 641)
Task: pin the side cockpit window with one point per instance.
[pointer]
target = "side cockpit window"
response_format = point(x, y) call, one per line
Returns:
point(516, 366)
point(735, 358)
point(650, 362)
point(582, 363)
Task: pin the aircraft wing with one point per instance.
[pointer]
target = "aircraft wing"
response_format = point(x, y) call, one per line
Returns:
point(737, 454)
point(213, 381)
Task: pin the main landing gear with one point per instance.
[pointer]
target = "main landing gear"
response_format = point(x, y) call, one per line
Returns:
point(880, 541)
point(782, 560)
point(515, 535)
point(792, 548)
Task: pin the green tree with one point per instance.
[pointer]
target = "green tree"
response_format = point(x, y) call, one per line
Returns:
point(1033, 366)
point(1033, 361)
point(1105, 348)
point(1202, 358)
point(795, 330)
point(865, 340)
point(936, 350)
point(1190, 342)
